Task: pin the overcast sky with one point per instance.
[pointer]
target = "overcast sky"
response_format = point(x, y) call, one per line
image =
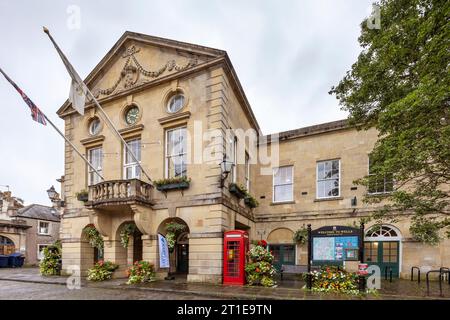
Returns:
point(287, 55)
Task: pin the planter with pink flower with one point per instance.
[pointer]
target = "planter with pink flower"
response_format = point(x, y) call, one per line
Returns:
point(259, 269)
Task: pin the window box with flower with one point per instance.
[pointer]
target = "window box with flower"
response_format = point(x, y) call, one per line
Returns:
point(178, 183)
point(82, 195)
point(238, 190)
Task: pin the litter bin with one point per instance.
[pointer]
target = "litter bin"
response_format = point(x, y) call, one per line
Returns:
point(3, 261)
point(15, 260)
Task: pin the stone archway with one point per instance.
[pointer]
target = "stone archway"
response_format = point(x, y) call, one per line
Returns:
point(7, 246)
point(179, 256)
point(89, 255)
point(133, 251)
point(282, 246)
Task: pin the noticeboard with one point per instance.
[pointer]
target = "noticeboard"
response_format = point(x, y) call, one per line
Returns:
point(335, 243)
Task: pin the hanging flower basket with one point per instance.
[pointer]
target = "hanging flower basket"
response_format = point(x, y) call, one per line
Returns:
point(239, 191)
point(180, 183)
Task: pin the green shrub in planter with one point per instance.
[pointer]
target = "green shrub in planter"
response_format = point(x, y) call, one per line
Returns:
point(83, 195)
point(102, 270)
point(50, 265)
point(238, 190)
point(250, 201)
point(178, 183)
point(140, 272)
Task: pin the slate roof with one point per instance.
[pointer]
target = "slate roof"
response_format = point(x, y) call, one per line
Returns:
point(37, 211)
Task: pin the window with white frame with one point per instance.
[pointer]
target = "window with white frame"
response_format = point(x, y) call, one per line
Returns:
point(40, 251)
point(328, 179)
point(232, 156)
point(176, 152)
point(95, 156)
point(283, 184)
point(379, 185)
point(44, 227)
point(247, 171)
point(131, 167)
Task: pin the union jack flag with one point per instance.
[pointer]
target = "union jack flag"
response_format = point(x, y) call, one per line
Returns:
point(36, 113)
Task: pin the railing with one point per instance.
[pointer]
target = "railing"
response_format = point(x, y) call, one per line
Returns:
point(113, 191)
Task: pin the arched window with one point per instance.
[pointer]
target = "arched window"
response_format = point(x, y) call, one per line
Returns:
point(6, 246)
point(6, 241)
point(381, 231)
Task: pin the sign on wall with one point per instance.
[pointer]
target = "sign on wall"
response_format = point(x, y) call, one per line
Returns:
point(163, 252)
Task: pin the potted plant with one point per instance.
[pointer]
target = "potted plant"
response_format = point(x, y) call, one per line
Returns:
point(82, 195)
point(250, 201)
point(102, 270)
point(177, 183)
point(238, 190)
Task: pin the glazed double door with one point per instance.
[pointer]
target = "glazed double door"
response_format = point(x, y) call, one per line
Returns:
point(384, 254)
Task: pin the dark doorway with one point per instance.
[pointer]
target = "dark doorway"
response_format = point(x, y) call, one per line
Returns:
point(137, 245)
point(182, 258)
point(283, 254)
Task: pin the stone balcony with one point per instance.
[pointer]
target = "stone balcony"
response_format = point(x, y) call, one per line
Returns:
point(120, 192)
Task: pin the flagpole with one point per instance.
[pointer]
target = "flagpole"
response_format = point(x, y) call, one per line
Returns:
point(56, 128)
point(73, 73)
point(73, 147)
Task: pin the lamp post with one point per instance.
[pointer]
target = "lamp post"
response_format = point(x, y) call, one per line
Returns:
point(225, 168)
point(54, 197)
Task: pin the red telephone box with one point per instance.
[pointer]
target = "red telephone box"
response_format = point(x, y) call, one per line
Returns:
point(235, 247)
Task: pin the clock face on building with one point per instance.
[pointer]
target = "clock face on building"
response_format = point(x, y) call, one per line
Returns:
point(132, 115)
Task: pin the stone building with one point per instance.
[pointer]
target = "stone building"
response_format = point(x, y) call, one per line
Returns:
point(44, 224)
point(12, 231)
point(175, 103)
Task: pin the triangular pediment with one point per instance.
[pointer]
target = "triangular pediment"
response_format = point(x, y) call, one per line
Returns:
point(137, 59)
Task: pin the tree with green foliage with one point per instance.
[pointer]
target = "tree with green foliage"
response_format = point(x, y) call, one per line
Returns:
point(400, 85)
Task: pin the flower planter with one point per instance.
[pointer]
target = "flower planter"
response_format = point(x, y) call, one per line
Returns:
point(234, 189)
point(251, 203)
point(173, 186)
point(83, 197)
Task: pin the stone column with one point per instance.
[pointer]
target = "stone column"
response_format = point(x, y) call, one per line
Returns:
point(205, 257)
point(76, 253)
point(150, 253)
point(116, 253)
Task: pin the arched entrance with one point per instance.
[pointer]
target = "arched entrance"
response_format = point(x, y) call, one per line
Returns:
point(179, 255)
point(90, 254)
point(133, 249)
point(6, 246)
point(282, 246)
point(382, 247)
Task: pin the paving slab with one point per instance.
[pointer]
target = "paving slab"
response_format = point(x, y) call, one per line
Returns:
point(285, 290)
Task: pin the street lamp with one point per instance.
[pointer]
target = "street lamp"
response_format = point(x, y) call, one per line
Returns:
point(52, 194)
point(225, 167)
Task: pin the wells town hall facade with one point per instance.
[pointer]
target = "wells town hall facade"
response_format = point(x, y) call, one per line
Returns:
point(160, 93)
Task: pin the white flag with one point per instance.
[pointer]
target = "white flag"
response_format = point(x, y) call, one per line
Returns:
point(77, 96)
point(78, 89)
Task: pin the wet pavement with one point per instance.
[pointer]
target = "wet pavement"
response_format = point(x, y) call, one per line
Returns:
point(27, 283)
point(13, 290)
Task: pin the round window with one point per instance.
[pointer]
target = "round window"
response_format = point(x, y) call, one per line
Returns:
point(94, 126)
point(132, 115)
point(175, 103)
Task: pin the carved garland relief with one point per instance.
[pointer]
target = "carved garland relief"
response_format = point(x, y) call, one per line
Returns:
point(133, 73)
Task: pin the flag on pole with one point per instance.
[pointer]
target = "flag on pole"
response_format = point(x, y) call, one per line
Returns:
point(36, 113)
point(78, 89)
